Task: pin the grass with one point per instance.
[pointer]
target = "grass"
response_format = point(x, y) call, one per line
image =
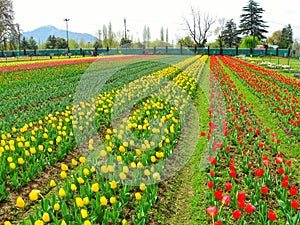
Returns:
point(182, 198)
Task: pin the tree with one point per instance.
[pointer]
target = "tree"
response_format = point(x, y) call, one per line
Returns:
point(186, 42)
point(51, 42)
point(125, 42)
point(146, 36)
point(219, 31)
point(249, 42)
point(167, 35)
point(162, 34)
point(230, 34)
point(275, 38)
point(24, 43)
point(198, 26)
point(251, 21)
point(110, 35)
point(286, 39)
point(105, 36)
point(8, 30)
point(32, 43)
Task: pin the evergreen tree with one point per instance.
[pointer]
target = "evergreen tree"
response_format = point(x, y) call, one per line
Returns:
point(286, 39)
point(24, 43)
point(230, 34)
point(8, 30)
point(32, 43)
point(251, 21)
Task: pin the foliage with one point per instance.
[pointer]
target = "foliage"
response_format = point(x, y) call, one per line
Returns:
point(248, 42)
point(8, 30)
point(275, 38)
point(251, 21)
point(286, 38)
point(186, 42)
point(230, 34)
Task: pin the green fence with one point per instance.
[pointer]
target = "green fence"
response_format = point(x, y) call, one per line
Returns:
point(155, 50)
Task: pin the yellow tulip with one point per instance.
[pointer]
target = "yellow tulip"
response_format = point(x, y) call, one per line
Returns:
point(63, 174)
point(52, 183)
point(56, 207)
point(34, 195)
point(21, 161)
point(86, 171)
point(95, 187)
point(87, 222)
point(113, 184)
point(74, 162)
point(86, 200)
point(73, 187)
point(82, 159)
point(138, 196)
point(84, 213)
point(64, 167)
point(63, 222)
point(62, 192)
point(46, 217)
point(103, 201)
point(39, 222)
point(79, 202)
point(112, 200)
point(12, 165)
point(142, 187)
point(80, 180)
point(20, 202)
point(7, 223)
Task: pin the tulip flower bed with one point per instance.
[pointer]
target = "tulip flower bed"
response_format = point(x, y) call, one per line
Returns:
point(249, 178)
point(5, 67)
point(90, 187)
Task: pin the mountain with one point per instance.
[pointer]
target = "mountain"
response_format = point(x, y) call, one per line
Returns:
point(41, 35)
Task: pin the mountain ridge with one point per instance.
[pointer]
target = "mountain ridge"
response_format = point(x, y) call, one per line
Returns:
point(41, 34)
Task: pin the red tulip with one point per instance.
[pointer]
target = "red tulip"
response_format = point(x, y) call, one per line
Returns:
point(280, 171)
point(264, 190)
point(293, 191)
point(241, 196)
point(285, 183)
point(228, 186)
point(212, 173)
point(271, 215)
point(218, 194)
point(218, 223)
point(250, 164)
point(210, 184)
point(232, 174)
point(212, 211)
point(237, 214)
point(249, 208)
point(294, 204)
point(259, 172)
point(279, 160)
point(226, 200)
point(241, 204)
point(266, 162)
point(202, 134)
point(288, 162)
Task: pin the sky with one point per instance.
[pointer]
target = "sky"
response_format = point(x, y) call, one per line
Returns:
point(89, 16)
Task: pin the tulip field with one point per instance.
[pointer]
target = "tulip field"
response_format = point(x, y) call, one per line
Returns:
point(104, 140)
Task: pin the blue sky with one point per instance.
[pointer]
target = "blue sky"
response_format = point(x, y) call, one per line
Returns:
point(89, 16)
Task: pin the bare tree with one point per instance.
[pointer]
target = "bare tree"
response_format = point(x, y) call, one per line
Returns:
point(199, 25)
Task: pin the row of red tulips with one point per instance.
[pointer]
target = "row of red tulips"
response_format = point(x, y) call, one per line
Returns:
point(250, 181)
